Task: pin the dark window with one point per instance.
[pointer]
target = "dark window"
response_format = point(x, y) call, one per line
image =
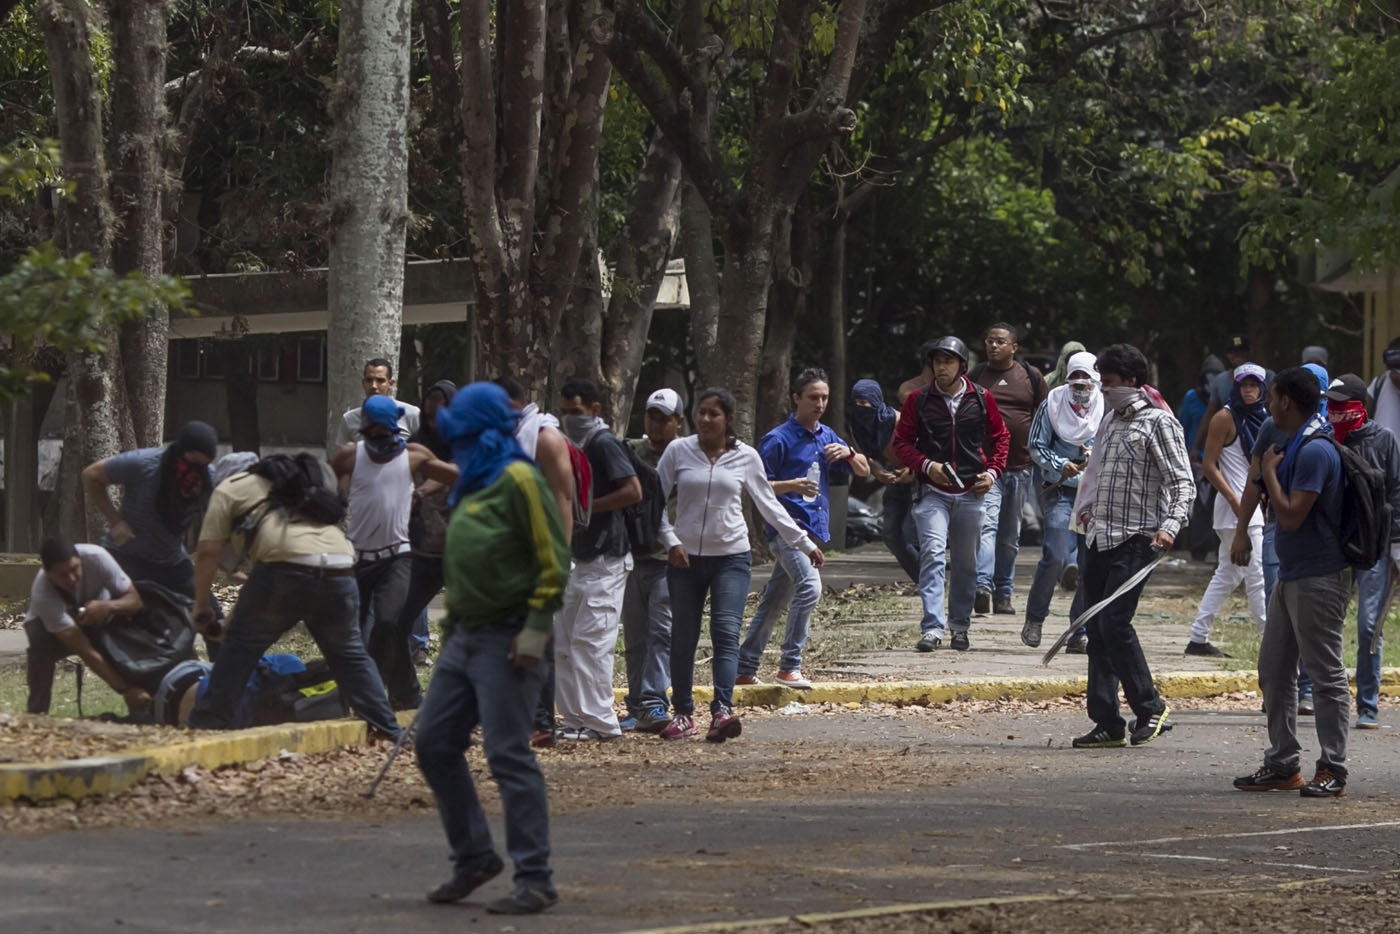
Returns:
point(212, 360)
point(270, 364)
point(311, 359)
point(186, 359)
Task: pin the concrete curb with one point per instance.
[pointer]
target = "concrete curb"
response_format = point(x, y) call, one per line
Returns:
point(105, 775)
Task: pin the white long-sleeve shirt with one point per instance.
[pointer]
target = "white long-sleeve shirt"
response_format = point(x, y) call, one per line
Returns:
point(709, 505)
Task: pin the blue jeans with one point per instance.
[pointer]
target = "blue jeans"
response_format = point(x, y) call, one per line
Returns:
point(726, 579)
point(1372, 590)
point(272, 602)
point(1060, 550)
point(1001, 532)
point(646, 635)
point(948, 530)
point(475, 682)
point(795, 586)
point(898, 530)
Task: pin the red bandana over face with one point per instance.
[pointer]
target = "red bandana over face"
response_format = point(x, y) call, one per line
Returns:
point(1346, 417)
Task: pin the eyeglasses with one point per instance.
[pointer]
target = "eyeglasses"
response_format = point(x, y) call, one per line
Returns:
point(997, 342)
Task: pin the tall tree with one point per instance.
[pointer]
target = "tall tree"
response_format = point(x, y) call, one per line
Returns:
point(369, 196)
point(135, 157)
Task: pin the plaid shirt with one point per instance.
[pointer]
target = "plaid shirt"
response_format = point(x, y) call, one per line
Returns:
point(1141, 480)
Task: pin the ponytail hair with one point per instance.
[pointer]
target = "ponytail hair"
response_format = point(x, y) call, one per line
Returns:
point(725, 400)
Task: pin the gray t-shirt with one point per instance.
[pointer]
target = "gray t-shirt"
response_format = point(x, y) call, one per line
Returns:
point(102, 579)
point(138, 474)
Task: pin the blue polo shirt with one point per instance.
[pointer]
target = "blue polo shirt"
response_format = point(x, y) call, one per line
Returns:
point(787, 452)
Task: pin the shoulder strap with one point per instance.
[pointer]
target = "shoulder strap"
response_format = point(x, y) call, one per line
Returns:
point(1033, 375)
point(976, 372)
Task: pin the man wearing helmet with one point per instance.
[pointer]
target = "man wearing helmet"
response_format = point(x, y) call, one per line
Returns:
point(941, 436)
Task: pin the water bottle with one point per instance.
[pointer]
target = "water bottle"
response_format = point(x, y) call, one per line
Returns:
point(814, 475)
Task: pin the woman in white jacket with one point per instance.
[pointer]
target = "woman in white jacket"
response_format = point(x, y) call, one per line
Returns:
point(708, 549)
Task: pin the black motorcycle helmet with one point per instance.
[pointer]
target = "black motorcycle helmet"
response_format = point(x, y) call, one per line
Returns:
point(952, 345)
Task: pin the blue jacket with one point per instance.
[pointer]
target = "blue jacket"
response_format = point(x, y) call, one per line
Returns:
point(1049, 453)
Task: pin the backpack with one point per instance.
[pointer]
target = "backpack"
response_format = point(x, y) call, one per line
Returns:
point(146, 645)
point(583, 485)
point(299, 490)
point(1364, 533)
point(643, 518)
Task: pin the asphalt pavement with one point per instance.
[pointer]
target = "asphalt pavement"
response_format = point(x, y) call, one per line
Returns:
point(1007, 809)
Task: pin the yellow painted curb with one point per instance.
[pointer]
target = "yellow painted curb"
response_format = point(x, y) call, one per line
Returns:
point(105, 775)
point(923, 693)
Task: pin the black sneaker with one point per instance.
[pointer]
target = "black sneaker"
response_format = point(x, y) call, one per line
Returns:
point(1325, 785)
point(1001, 606)
point(1099, 739)
point(983, 601)
point(468, 878)
point(1204, 648)
point(927, 643)
point(1030, 633)
point(1147, 732)
point(1077, 645)
point(1069, 580)
point(959, 643)
point(1269, 778)
point(523, 901)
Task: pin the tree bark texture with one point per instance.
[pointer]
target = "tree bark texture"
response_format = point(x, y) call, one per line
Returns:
point(135, 158)
point(97, 412)
point(653, 217)
point(369, 191)
point(702, 279)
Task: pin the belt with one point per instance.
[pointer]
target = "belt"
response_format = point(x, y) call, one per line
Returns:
point(313, 570)
point(380, 554)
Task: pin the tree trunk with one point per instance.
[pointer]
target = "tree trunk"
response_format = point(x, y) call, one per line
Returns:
point(137, 187)
point(652, 219)
point(369, 197)
point(578, 342)
point(743, 310)
point(836, 317)
point(98, 418)
point(703, 281)
point(787, 309)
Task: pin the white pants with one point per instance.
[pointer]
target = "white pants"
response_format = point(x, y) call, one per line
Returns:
point(585, 635)
point(1227, 577)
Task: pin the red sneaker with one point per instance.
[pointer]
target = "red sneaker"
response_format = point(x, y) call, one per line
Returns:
point(543, 739)
point(723, 725)
point(748, 679)
point(794, 679)
point(681, 726)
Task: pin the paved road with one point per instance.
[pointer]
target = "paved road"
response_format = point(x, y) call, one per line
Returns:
point(1006, 809)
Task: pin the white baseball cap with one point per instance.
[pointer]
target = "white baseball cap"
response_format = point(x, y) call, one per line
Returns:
point(667, 401)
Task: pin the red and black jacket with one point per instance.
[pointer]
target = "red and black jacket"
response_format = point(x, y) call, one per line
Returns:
point(975, 439)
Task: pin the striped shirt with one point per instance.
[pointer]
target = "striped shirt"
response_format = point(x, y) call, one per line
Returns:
point(1141, 481)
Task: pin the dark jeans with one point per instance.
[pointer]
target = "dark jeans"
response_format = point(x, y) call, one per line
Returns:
point(383, 587)
point(725, 578)
point(273, 601)
point(1115, 655)
point(44, 652)
point(178, 577)
point(898, 529)
point(475, 682)
point(391, 646)
point(544, 703)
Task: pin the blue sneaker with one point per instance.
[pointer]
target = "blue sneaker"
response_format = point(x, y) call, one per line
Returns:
point(627, 723)
point(654, 720)
point(1366, 720)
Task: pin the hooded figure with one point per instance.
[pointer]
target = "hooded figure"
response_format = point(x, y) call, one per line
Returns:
point(185, 487)
point(1211, 367)
point(1248, 416)
point(872, 426)
point(1075, 415)
point(1060, 375)
point(437, 398)
point(479, 426)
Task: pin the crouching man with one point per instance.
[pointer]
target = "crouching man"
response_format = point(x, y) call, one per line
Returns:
point(80, 588)
point(303, 570)
point(505, 563)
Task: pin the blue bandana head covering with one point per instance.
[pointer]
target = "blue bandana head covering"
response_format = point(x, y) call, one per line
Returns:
point(381, 410)
point(1323, 380)
point(480, 427)
point(1248, 417)
point(872, 427)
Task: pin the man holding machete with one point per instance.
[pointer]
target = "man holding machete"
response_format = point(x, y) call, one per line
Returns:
point(1135, 497)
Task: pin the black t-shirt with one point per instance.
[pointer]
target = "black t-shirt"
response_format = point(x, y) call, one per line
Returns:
point(606, 533)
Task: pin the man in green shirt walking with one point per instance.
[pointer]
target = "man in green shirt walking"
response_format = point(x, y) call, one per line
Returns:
point(505, 564)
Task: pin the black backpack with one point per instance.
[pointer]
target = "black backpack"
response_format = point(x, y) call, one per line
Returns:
point(146, 645)
point(1365, 528)
point(643, 518)
point(298, 490)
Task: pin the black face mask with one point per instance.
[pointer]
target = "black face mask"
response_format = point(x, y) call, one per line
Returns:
point(383, 448)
